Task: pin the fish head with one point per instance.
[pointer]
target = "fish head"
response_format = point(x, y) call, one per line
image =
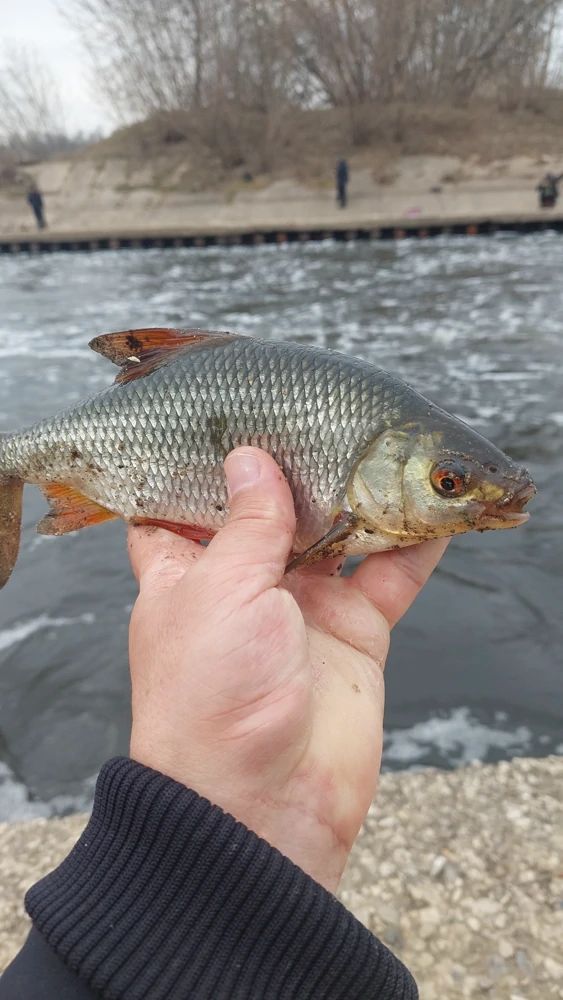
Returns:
point(435, 478)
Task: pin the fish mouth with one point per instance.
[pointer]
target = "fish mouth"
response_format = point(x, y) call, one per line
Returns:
point(510, 507)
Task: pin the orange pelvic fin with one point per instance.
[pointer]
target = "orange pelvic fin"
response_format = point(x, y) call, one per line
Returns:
point(69, 510)
point(139, 352)
point(192, 531)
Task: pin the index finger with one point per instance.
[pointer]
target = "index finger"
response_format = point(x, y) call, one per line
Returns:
point(158, 557)
point(392, 580)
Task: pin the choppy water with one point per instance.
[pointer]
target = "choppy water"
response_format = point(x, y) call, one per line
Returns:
point(476, 668)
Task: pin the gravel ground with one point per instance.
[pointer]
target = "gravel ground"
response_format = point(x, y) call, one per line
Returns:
point(461, 873)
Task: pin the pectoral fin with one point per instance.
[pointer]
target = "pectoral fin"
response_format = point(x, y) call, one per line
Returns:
point(331, 544)
point(69, 510)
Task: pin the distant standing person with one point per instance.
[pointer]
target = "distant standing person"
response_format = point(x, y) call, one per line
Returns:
point(35, 199)
point(341, 182)
point(549, 191)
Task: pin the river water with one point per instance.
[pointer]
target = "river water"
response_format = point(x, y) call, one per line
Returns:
point(476, 667)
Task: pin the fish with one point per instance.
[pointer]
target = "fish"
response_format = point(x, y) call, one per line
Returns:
point(372, 464)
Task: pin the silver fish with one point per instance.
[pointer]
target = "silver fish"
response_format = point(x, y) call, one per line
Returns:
point(371, 463)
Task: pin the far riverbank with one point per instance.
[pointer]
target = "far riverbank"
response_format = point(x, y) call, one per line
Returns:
point(87, 198)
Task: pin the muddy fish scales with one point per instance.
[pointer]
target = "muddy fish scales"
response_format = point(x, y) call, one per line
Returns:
point(371, 463)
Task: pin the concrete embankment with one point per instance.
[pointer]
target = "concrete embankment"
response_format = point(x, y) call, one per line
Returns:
point(120, 201)
point(387, 229)
point(460, 872)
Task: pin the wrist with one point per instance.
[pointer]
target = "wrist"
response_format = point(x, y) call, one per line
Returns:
point(310, 844)
point(292, 823)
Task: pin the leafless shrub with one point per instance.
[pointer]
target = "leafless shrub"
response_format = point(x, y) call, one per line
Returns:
point(227, 61)
point(31, 114)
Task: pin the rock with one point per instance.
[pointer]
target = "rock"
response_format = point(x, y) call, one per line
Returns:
point(496, 967)
point(458, 973)
point(451, 874)
point(485, 907)
point(527, 877)
point(485, 984)
point(364, 915)
point(524, 964)
point(392, 936)
point(386, 869)
point(389, 913)
point(430, 918)
point(505, 949)
point(554, 969)
point(438, 865)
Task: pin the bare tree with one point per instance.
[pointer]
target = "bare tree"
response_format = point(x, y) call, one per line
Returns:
point(32, 120)
point(147, 55)
point(372, 50)
point(471, 44)
point(224, 62)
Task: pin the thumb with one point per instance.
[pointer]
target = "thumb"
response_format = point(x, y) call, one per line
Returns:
point(257, 538)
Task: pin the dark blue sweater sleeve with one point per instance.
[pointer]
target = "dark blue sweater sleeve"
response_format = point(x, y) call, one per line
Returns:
point(166, 897)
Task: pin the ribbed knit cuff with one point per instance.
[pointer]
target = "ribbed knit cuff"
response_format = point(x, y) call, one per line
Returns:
point(166, 897)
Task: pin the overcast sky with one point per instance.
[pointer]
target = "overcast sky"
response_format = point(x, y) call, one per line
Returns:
point(37, 23)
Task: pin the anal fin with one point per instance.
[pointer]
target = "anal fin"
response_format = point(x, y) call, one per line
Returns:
point(191, 531)
point(69, 510)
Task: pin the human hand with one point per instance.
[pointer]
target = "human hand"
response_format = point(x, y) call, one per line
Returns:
point(264, 693)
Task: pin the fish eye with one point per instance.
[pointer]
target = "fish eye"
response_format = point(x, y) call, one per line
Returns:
point(448, 479)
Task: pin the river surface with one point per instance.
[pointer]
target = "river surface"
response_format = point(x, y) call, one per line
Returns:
point(476, 667)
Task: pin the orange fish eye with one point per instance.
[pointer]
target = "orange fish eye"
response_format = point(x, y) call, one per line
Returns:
point(448, 479)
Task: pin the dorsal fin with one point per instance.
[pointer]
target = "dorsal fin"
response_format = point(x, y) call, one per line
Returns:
point(139, 352)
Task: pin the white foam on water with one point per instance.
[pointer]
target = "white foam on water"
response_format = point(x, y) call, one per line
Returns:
point(457, 737)
point(22, 630)
point(36, 540)
point(16, 802)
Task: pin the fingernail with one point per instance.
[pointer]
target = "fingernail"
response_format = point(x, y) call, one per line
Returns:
point(241, 470)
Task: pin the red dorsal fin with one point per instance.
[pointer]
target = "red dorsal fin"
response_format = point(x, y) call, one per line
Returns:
point(139, 352)
point(69, 510)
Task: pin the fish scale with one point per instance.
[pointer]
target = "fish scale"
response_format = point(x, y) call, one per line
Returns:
point(288, 410)
point(151, 447)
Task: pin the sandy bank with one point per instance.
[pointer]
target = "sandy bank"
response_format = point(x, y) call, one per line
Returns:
point(113, 196)
point(461, 873)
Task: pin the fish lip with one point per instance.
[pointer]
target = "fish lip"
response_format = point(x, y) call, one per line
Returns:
point(518, 498)
point(515, 517)
point(510, 507)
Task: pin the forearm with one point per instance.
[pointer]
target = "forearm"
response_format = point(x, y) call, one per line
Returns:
point(165, 896)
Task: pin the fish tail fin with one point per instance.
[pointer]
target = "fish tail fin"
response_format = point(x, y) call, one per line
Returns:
point(11, 493)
